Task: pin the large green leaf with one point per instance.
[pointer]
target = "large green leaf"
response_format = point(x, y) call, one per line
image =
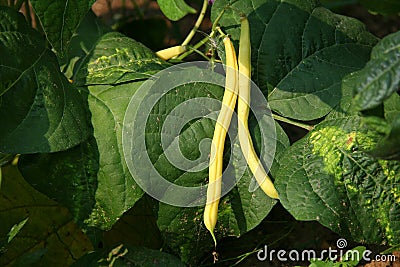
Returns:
point(392, 108)
point(119, 192)
point(328, 177)
point(301, 52)
point(60, 19)
point(116, 59)
point(389, 147)
point(97, 186)
point(381, 76)
point(47, 237)
point(175, 9)
point(40, 110)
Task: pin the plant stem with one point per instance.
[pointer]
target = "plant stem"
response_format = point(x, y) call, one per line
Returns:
point(199, 52)
point(197, 24)
point(295, 123)
point(216, 21)
point(257, 248)
point(204, 40)
point(194, 48)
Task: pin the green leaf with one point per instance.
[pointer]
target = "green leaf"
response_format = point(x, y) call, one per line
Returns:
point(49, 237)
point(21, 48)
point(126, 255)
point(381, 76)
point(385, 7)
point(116, 59)
point(175, 9)
point(392, 108)
point(107, 105)
point(376, 125)
point(96, 185)
point(299, 62)
point(353, 256)
point(82, 44)
point(281, 139)
point(389, 147)
point(321, 263)
point(40, 110)
point(328, 177)
point(60, 19)
point(70, 177)
point(15, 229)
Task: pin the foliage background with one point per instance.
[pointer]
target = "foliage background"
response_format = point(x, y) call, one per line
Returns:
point(144, 22)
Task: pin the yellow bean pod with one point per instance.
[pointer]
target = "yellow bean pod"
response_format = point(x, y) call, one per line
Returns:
point(217, 147)
point(171, 52)
point(246, 143)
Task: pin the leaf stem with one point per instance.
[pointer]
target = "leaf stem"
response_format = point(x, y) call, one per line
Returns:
point(197, 24)
point(216, 21)
point(205, 39)
point(295, 123)
point(200, 53)
point(194, 48)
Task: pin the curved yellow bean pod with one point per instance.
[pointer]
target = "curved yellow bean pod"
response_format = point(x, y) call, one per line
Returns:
point(246, 143)
point(171, 52)
point(217, 147)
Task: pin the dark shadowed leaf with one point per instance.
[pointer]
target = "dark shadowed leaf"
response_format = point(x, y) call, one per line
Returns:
point(60, 19)
point(381, 76)
point(300, 61)
point(40, 110)
point(389, 147)
point(49, 237)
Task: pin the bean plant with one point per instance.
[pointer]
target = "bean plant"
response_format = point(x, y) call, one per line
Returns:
point(69, 83)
